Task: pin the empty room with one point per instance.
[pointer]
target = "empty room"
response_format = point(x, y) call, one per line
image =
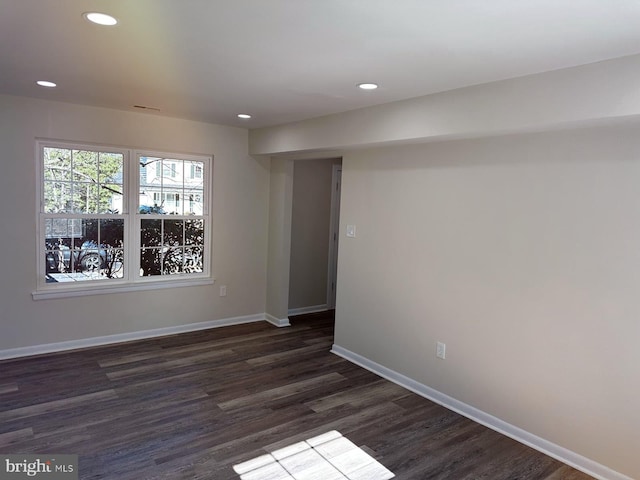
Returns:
point(320, 239)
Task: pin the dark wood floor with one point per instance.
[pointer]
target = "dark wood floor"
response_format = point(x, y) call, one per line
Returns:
point(191, 406)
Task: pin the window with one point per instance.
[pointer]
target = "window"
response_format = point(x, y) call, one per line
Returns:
point(195, 171)
point(166, 169)
point(117, 217)
point(170, 199)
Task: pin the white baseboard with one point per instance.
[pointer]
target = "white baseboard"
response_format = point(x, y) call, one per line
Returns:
point(569, 457)
point(312, 309)
point(126, 337)
point(278, 322)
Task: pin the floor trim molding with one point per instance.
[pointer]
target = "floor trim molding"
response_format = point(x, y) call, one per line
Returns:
point(311, 309)
point(126, 337)
point(278, 322)
point(569, 457)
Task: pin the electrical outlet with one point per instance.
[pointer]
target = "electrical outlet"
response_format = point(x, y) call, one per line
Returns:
point(441, 349)
point(223, 290)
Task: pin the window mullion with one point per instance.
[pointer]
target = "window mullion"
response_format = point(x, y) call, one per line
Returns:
point(133, 232)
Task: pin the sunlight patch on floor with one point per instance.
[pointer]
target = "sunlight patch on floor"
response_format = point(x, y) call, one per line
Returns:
point(329, 456)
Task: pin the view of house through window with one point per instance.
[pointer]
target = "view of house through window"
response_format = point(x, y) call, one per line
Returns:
point(100, 221)
point(172, 237)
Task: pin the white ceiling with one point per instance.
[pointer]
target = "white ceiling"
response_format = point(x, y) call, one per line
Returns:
point(287, 60)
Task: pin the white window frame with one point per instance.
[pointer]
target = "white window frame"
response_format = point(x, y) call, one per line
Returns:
point(131, 281)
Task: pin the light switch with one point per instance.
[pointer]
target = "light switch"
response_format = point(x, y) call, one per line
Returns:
point(351, 231)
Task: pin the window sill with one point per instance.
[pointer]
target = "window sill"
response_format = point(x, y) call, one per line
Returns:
point(109, 289)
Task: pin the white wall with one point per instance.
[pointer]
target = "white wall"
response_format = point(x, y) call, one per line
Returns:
point(310, 225)
point(240, 213)
point(522, 254)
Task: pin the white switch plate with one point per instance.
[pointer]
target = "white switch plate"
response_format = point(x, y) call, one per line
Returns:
point(441, 350)
point(223, 290)
point(351, 231)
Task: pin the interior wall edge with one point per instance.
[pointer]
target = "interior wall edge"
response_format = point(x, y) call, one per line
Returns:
point(278, 322)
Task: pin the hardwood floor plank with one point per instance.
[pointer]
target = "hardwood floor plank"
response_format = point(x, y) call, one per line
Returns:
point(378, 391)
point(8, 388)
point(165, 365)
point(236, 435)
point(281, 391)
point(291, 353)
point(565, 472)
point(126, 359)
point(9, 439)
point(55, 405)
point(343, 418)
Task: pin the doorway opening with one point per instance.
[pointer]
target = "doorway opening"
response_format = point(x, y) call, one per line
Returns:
point(315, 220)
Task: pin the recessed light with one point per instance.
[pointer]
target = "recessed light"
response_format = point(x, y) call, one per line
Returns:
point(100, 18)
point(368, 86)
point(244, 115)
point(45, 83)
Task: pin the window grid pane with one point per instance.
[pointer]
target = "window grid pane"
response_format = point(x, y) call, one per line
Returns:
point(171, 186)
point(171, 246)
point(81, 249)
point(73, 184)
